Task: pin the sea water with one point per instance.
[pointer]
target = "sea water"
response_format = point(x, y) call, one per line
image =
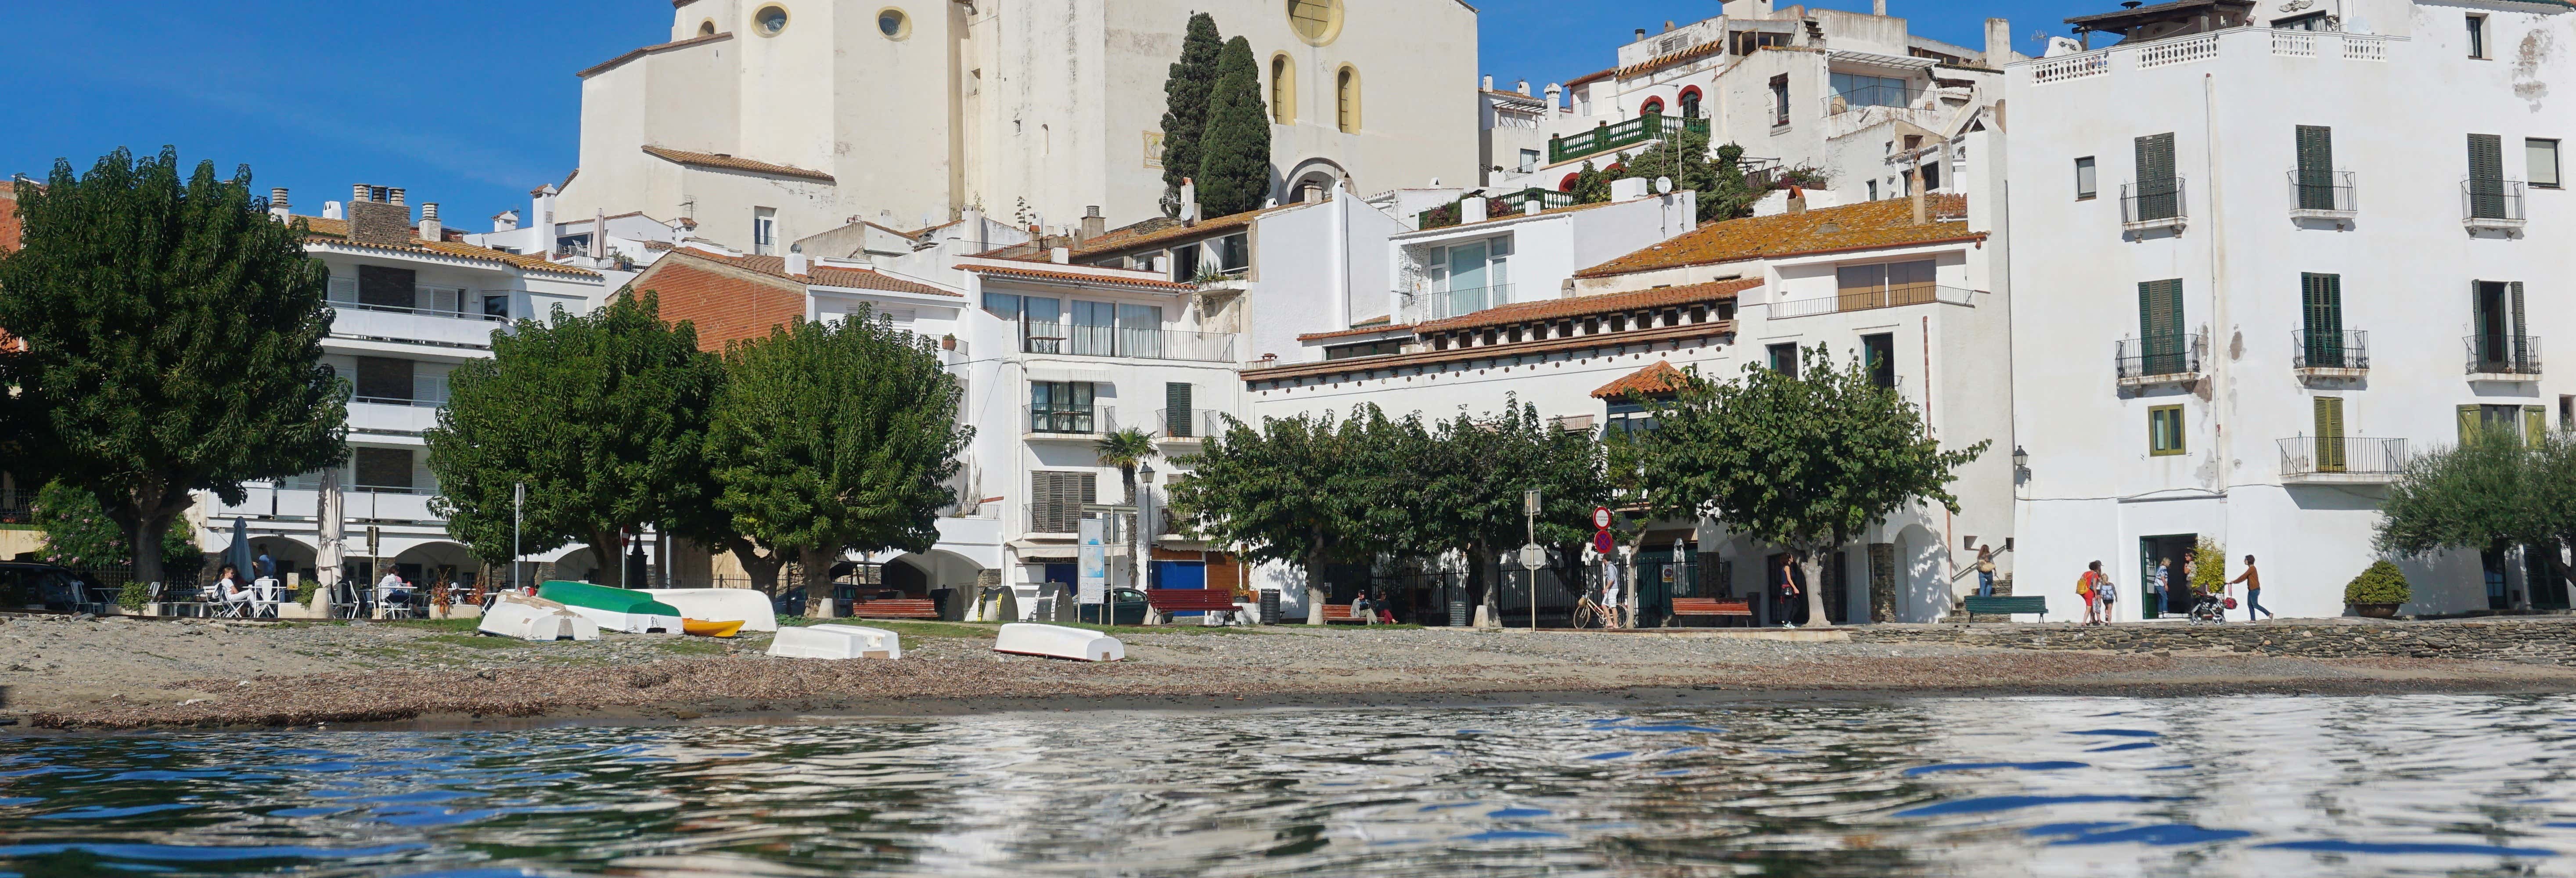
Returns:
point(2270, 786)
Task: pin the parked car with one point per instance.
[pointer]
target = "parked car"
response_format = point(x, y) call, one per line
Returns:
point(25, 584)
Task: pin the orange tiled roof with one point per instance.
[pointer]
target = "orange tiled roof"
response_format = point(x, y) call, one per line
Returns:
point(638, 53)
point(1161, 229)
point(1576, 306)
point(732, 163)
point(825, 275)
point(1703, 49)
point(1863, 226)
point(1657, 377)
point(1075, 277)
point(1688, 334)
point(1370, 328)
point(337, 231)
point(1591, 77)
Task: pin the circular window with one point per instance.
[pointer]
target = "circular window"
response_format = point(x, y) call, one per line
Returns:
point(769, 20)
point(894, 24)
point(1316, 21)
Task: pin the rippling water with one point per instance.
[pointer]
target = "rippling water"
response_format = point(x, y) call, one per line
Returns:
point(2428, 785)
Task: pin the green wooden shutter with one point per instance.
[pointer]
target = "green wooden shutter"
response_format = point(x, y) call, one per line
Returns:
point(2160, 334)
point(2520, 344)
point(2156, 196)
point(2329, 417)
point(1177, 420)
point(2316, 167)
point(2535, 425)
point(2321, 300)
point(2486, 176)
point(2468, 423)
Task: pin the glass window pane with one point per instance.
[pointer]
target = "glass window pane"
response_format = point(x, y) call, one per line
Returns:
point(1002, 305)
point(2084, 186)
point(2542, 157)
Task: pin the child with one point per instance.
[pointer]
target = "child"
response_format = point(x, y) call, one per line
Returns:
point(2087, 587)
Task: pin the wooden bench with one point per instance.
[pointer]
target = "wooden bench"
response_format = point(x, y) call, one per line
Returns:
point(2008, 605)
point(1334, 613)
point(895, 608)
point(1713, 607)
point(1184, 600)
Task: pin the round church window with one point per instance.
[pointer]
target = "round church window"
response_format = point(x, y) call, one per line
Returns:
point(770, 20)
point(1316, 21)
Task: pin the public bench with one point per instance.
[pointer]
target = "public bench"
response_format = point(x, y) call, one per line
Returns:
point(895, 608)
point(1335, 613)
point(1167, 601)
point(1713, 607)
point(2003, 605)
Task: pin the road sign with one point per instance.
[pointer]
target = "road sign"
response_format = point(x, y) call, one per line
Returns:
point(1533, 556)
point(1601, 517)
point(1529, 502)
point(1601, 541)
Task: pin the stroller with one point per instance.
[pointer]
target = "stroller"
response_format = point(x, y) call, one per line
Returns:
point(2211, 607)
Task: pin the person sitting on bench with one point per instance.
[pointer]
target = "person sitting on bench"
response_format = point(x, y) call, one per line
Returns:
point(1360, 609)
point(235, 595)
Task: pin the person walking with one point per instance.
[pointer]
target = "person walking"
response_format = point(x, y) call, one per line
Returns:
point(2156, 596)
point(2109, 593)
point(1785, 597)
point(2087, 587)
point(1985, 571)
point(2253, 591)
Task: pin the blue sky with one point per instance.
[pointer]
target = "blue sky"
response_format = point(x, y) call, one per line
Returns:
point(471, 103)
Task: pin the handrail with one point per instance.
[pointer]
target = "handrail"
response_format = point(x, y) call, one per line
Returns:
point(1897, 296)
point(2350, 455)
point(2344, 349)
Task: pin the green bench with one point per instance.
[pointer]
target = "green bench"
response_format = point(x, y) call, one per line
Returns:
point(2005, 606)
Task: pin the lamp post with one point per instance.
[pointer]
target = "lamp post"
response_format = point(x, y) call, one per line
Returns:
point(518, 510)
point(1144, 527)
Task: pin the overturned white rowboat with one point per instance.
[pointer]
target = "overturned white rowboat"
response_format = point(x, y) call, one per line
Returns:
point(614, 609)
point(836, 642)
point(1057, 641)
point(720, 605)
point(528, 618)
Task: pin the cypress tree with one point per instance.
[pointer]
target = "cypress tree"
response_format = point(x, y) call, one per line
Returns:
point(1185, 102)
point(1234, 160)
point(174, 342)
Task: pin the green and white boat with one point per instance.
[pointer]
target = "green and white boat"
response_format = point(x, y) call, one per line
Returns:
point(614, 609)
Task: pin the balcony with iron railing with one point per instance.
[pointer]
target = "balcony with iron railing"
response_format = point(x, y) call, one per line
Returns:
point(2504, 357)
point(1129, 342)
point(2491, 205)
point(1423, 305)
point(2322, 195)
point(1189, 425)
point(1077, 422)
point(2329, 354)
point(2341, 459)
point(1894, 296)
point(1496, 207)
point(1606, 137)
point(2158, 359)
point(2153, 204)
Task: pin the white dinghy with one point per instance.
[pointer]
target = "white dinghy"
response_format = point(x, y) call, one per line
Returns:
point(720, 605)
point(836, 642)
point(1057, 641)
point(528, 618)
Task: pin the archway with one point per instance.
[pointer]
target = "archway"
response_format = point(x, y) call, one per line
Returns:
point(1310, 180)
point(290, 554)
point(437, 562)
point(1652, 107)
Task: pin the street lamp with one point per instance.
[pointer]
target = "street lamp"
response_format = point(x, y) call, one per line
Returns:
point(2021, 460)
point(1144, 531)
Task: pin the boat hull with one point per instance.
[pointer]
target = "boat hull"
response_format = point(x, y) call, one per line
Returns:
point(1057, 641)
point(712, 604)
point(836, 642)
point(535, 619)
point(614, 609)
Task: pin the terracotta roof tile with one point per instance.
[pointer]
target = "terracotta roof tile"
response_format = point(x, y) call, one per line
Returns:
point(1634, 339)
point(633, 54)
point(1382, 325)
point(337, 231)
point(1076, 277)
point(826, 275)
point(1657, 377)
point(1576, 306)
point(1161, 229)
point(331, 227)
point(1869, 224)
point(732, 163)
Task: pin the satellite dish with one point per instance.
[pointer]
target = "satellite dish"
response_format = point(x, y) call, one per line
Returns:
point(1663, 185)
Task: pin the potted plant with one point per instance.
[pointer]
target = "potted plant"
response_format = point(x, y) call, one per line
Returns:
point(2378, 591)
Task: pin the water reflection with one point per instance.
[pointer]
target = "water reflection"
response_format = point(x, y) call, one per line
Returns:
point(2047, 786)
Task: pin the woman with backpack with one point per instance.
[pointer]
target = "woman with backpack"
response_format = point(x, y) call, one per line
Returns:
point(2088, 587)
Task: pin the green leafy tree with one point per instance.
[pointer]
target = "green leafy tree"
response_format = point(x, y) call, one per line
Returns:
point(1805, 463)
point(174, 342)
point(80, 535)
point(2486, 494)
point(601, 415)
point(1480, 466)
point(1309, 490)
point(1185, 104)
point(2209, 565)
point(1685, 157)
point(829, 437)
point(2382, 583)
point(1234, 154)
point(1591, 185)
point(1126, 450)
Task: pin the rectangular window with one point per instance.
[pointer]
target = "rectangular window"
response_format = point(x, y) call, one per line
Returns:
point(1884, 284)
point(384, 380)
point(1856, 90)
point(1780, 100)
point(1873, 190)
point(1784, 358)
point(2310, 21)
point(1178, 416)
point(764, 231)
point(1140, 331)
point(1878, 352)
point(1529, 160)
point(2477, 36)
point(2496, 316)
point(1185, 263)
point(2540, 161)
point(1234, 253)
point(1631, 418)
point(1060, 407)
point(2164, 430)
point(1002, 305)
point(2158, 193)
point(2566, 412)
point(1056, 498)
point(2328, 411)
point(1042, 321)
point(1365, 349)
point(2164, 347)
point(1092, 328)
point(380, 287)
point(384, 470)
point(496, 305)
point(2322, 344)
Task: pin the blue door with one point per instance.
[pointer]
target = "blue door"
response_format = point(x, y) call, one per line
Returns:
point(1181, 574)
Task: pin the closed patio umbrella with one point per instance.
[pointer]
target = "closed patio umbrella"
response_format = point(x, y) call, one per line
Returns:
point(238, 554)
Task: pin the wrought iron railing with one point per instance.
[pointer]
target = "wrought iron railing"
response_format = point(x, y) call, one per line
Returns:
point(2322, 193)
point(1054, 516)
point(1862, 300)
point(2503, 354)
point(1120, 341)
point(2349, 455)
point(2491, 202)
point(2160, 354)
point(1072, 419)
point(1606, 137)
point(2152, 203)
point(2345, 349)
point(1190, 423)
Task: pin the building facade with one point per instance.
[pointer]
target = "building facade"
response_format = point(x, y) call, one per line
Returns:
point(2242, 314)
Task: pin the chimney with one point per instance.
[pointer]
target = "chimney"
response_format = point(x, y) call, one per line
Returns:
point(974, 230)
point(1489, 82)
point(1555, 96)
point(1092, 224)
point(505, 221)
point(1059, 255)
point(358, 192)
point(541, 215)
point(1914, 180)
point(430, 229)
point(385, 223)
point(277, 207)
point(1878, 7)
point(795, 258)
point(1472, 209)
point(1521, 86)
point(599, 233)
point(1668, 23)
point(1998, 42)
point(1189, 201)
point(1641, 35)
point(1797, 200)
point(331, 210)
point(395, 196)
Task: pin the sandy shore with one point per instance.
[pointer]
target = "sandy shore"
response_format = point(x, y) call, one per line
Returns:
point(127, 674)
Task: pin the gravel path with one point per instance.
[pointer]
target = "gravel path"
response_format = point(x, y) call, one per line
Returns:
point(119, 673)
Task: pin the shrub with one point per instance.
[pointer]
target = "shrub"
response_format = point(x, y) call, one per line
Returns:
point(2209, 566)
point(134, 595)
point(2383, 583)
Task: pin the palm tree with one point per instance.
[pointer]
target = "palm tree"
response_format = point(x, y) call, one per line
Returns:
point(1126, 449)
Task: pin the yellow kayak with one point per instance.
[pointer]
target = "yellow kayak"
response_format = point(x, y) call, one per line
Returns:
point(703, 628)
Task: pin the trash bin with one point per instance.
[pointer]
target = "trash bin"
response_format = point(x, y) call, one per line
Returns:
point(1270, 606)
point(1458, 615)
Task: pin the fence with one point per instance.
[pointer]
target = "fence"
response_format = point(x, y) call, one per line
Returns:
point(2347, 349)
point(2349, 455)
point(2162, 354)
point(2150, 203)
point(2322, 193)
point(1607, 137)
point(2504, 354)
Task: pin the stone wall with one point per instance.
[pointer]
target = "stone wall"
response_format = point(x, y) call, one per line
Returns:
point(2545, 640)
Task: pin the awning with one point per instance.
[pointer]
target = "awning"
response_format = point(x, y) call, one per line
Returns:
point(1028, 551)
point(1059, 372)
point(1895, 62)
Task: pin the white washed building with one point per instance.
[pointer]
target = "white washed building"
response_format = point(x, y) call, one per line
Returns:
point(2266, 253)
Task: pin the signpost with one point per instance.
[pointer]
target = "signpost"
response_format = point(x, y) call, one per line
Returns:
point(1093, 575)
point(1531, 555)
